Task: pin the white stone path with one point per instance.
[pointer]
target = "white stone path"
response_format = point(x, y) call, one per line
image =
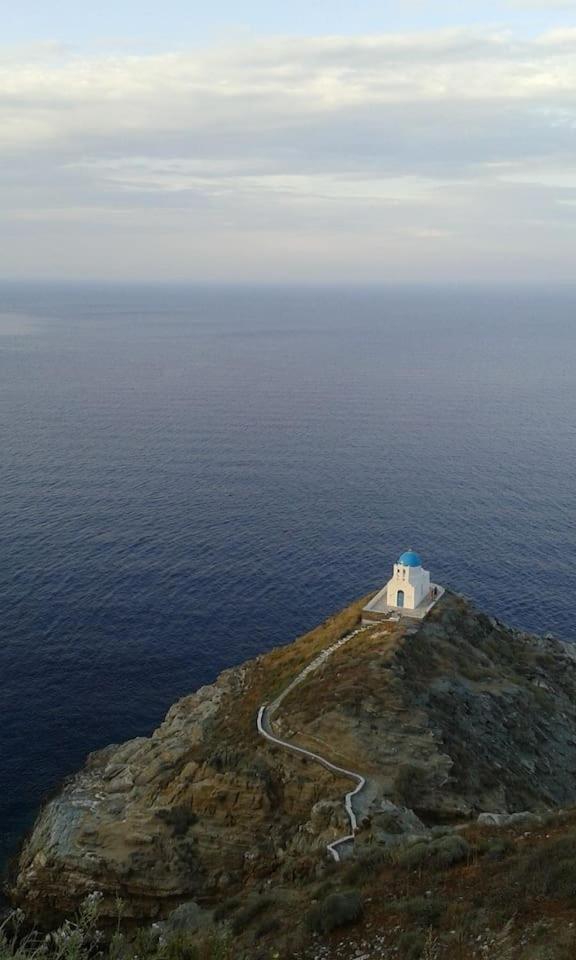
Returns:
point(264, 723)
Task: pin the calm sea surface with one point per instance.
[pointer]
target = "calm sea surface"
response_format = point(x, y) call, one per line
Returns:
point(190, 477)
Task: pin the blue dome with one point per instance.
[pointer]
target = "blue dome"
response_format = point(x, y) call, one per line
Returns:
point(410, 559)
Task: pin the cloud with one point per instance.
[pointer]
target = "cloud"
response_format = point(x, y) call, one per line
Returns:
point(278, 151)
point(280, 77)
point(560, 37)
point(543, 4)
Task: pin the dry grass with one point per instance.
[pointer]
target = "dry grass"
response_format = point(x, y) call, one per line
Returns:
point(267, 676)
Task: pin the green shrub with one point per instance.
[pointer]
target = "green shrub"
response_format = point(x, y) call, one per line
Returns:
point(188, 852)
point(441, 853)
point(144, 942)
point(180, 946)
point(389, 822)
point(413, 855)
point(440, 831)
point(269, 925)
point(228, 758)
point(210, 947)
point(425, 911)
point(549, 871)
point(411, 945)
point(367, 864)
point(450, 850)
point(227, 907)
point(179, 818)
point(261, 771)
point(495, 848)
point(80, 939)
point(323, 889)
point(335, 910)
point(251, 909)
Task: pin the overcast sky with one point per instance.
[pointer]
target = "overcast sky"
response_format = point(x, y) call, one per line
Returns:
point(314, 140)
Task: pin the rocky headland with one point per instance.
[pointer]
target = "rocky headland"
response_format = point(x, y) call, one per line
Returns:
point(448, 719)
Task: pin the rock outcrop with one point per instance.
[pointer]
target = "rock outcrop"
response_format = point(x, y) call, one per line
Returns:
point(447, 719)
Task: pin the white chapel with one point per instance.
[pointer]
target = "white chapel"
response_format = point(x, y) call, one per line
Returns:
point(408, 593)
point(410, 582)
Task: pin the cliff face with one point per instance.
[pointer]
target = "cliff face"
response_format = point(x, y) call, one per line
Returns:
point(448, 718)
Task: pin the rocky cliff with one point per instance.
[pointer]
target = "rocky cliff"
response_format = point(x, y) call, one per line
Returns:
point(446, 719)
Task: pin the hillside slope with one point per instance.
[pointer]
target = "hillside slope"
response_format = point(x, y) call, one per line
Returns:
point(446, 718)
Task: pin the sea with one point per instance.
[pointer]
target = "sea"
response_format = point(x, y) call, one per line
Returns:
point(190, 476)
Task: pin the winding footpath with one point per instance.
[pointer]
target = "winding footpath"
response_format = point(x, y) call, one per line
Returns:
point(264, 722)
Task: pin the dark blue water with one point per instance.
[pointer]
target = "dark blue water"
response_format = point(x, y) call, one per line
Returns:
point(191, 477)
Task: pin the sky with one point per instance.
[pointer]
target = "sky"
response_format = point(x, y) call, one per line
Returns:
point(311, 141)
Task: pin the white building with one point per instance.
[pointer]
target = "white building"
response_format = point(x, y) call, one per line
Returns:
point(410, 583)
point(409, 592)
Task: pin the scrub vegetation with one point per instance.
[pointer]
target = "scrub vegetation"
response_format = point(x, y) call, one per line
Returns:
point(216, 840)
point(503, 893)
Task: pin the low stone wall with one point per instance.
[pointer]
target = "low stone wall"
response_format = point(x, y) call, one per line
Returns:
point(377, 609)
point(373, 616)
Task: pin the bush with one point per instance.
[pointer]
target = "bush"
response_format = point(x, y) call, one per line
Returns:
point(227, 907)
point(181, 946)
point(441, 853)
point(80, 939)
point(261, 771)
point(188, 916)
point(209, 947)
point(187, 852)
point(495, 848)
point(425, 911)
point(179, 818)
point(251, 909)
point(323, 889)
point(366, 866)
point(411, 945)
point(389, 822)
point(414, 855)
point(335, 910)
point(450, 850)
point(549, 871)
point(440, 831)
point(270, 925)
point(227, 758)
